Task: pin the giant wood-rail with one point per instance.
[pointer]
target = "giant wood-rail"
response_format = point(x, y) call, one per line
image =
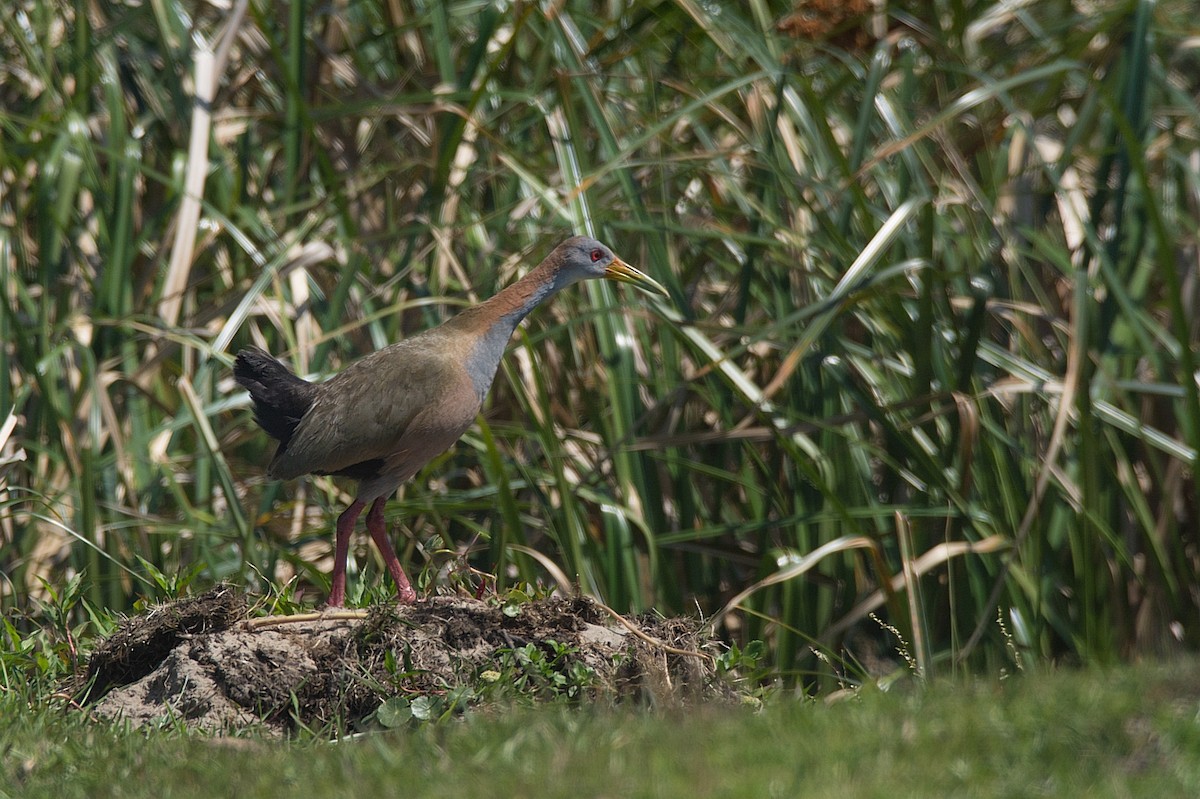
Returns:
point(387, 414)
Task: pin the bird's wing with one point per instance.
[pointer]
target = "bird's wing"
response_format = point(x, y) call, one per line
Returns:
point(396, 401)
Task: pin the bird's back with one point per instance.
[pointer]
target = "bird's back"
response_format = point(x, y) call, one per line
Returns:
point(387, 413)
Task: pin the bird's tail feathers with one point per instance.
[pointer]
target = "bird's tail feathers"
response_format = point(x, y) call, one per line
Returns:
point(280, 398)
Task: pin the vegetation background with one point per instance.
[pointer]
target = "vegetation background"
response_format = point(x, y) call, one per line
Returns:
point(929, 355)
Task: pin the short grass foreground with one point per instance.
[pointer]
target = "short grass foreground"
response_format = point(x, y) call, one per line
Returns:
point(1096, 733)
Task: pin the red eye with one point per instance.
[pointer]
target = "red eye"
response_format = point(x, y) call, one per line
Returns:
point(596, 255)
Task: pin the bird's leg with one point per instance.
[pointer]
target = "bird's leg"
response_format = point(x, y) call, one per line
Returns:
point(345, 528)
point(378, 531)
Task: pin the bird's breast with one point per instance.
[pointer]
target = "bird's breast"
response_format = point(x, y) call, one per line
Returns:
point(483, 357)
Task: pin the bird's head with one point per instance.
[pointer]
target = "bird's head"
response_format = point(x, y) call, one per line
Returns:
point(584, 258)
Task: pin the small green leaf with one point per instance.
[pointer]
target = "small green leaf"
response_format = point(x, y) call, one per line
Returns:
point(395, 712)
point(425, 708)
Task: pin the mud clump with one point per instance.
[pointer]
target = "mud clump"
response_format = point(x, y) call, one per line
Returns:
point(203, 663)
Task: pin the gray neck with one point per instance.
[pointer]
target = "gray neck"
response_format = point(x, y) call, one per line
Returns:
point(510, 306)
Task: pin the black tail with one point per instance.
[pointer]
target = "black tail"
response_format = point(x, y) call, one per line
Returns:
point(280, 398)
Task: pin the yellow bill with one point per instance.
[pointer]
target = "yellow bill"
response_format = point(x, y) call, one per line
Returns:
point(622, 272)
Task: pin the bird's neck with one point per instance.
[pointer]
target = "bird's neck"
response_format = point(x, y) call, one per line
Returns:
point(489, 325)
point(500, 315)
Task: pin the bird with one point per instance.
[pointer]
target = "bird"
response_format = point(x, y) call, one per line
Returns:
point(389, 413)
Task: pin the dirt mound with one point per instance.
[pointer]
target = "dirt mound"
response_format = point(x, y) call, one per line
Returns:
point(203, 663)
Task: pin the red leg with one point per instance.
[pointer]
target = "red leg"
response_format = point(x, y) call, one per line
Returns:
point(345, 528)
point(378, 531)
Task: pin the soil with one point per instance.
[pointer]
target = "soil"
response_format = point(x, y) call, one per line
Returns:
point(204, 663)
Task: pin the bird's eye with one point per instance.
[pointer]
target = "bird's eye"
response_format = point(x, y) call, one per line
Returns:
point(596, 255)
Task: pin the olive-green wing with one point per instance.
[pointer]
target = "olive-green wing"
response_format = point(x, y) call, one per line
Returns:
point(366, 412)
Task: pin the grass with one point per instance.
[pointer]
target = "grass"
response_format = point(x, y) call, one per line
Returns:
point(1104, 732)
point(925, 379)
point(928, 319)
